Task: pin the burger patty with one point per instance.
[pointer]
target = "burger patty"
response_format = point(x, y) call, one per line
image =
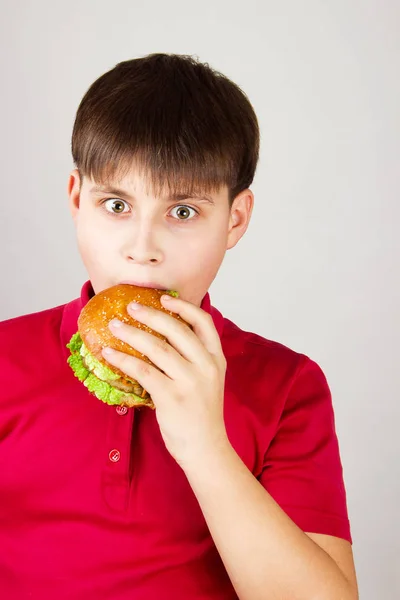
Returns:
point(124, 385)
point(128, 386)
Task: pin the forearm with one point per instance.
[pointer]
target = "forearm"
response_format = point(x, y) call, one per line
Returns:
point(265, 554)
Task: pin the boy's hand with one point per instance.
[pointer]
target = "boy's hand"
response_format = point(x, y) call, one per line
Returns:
point(189, 394)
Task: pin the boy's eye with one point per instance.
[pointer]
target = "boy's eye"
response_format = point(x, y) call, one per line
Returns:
point(117, 206)
point(183, 212)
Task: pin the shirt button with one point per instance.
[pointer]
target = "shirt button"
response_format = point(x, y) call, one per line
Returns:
point(122, 410)
point(114, 455)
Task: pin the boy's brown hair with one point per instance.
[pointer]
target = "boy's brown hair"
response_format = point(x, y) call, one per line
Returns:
point(186, 126)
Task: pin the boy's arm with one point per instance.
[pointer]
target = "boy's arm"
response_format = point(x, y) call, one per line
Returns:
point(265, 554)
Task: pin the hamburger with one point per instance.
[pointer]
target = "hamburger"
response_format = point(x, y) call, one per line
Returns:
point(105, 381)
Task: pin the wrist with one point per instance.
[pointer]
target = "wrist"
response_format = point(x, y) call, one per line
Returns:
point(205, 457)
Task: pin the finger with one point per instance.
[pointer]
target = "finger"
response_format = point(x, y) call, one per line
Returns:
point(161, 354)
point(152, 380)
point(180, 336)
point(201, 321)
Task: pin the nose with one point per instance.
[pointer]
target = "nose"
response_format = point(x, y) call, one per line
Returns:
point(143, 246)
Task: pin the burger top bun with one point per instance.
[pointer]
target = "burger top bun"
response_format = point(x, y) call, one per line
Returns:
point(112, 303)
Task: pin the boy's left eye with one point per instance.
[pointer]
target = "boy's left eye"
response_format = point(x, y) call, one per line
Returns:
point(184, 211)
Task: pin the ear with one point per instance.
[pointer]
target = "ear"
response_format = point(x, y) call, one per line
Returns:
point(239, 219)
point(74, 191)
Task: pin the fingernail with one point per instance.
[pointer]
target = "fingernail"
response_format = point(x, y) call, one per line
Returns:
point(134, 306)
point(166, 297)
point(108, 351)
point(116, 323)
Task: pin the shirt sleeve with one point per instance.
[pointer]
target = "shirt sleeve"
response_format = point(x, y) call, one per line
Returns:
point(302, 468)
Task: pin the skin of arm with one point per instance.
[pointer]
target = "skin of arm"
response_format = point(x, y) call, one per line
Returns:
point(264, 552)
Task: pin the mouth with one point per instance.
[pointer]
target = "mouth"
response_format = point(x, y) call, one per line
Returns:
point(146, 284)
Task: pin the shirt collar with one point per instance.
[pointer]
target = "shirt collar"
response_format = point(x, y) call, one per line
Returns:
point(69, 324)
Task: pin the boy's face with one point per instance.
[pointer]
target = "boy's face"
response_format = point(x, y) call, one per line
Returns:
point(133, 236)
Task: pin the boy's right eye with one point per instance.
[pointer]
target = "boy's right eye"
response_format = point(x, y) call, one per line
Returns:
point(115, 206)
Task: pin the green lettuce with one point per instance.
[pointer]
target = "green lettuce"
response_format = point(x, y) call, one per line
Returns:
point(94, 366)
point(96, 381)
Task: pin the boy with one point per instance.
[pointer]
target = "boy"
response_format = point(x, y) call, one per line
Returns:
point(232, 487)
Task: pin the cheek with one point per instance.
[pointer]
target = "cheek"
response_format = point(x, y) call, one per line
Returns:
point(203, 254)
point(92, 241)
point(212, 244)
point(197, 248)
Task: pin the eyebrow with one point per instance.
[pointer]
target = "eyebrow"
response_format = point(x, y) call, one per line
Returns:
point(200, 197)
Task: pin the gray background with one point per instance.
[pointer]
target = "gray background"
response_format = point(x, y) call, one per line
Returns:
point(318, 267)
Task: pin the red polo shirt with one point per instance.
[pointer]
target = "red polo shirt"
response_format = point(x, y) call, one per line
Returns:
point(92, 504)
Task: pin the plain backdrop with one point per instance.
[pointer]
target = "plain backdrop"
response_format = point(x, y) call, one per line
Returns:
point(318, 269)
